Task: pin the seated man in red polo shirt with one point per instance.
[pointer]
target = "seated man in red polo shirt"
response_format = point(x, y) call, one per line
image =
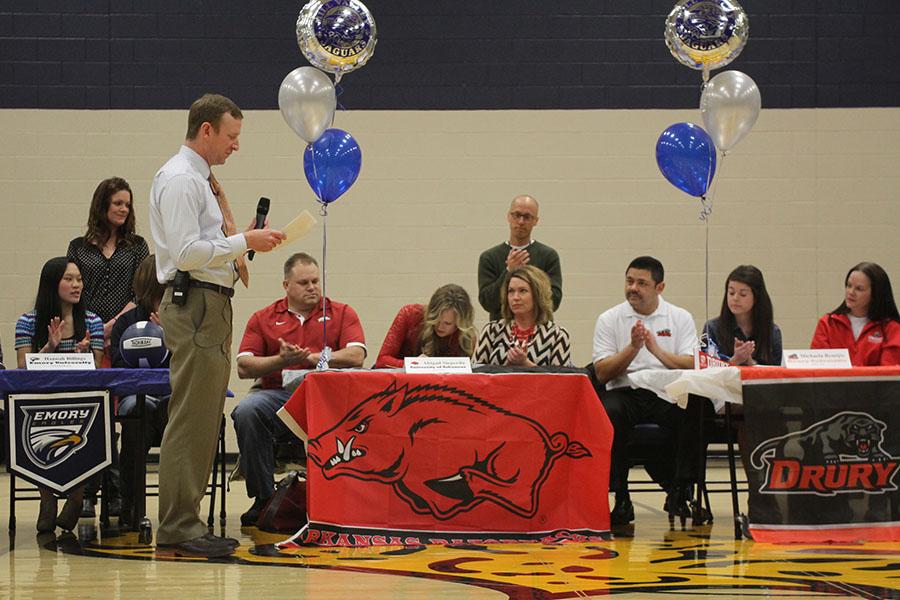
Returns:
point(287, 334)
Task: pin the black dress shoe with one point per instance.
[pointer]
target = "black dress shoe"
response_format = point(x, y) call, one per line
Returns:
point(227, 540)
point(623, 512)
point(249, 518)
point(200, 547)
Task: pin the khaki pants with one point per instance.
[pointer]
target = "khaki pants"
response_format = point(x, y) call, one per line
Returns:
point(198, 335)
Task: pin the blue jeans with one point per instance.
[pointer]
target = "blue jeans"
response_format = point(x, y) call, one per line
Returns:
point(257, 427)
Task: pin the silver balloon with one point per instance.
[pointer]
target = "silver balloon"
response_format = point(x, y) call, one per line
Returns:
point(307, 102)
point(337, 36)
point(706, 34)
point(730, 105)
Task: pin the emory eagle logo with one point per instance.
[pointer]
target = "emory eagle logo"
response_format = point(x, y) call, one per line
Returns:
point(52, 434)
point(387, 438)
point(839, 455)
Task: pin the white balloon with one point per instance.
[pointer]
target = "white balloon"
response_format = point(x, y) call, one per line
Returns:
point(730, 105)
point(307, 102)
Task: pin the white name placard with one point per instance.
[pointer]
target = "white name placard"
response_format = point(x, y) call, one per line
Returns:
point(437, 364)
point(834, 358)
point(76, 361)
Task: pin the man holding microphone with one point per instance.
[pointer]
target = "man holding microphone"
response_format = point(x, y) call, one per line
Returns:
point(199, 256)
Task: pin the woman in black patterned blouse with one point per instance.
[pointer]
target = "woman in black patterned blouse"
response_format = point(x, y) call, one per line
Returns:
point(109, 253)
point(108, 256)
point(526, 335)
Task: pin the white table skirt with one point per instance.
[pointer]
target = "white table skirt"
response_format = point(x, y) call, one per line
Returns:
point(719, 384)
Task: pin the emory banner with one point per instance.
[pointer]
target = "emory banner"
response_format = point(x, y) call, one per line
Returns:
point(59, 440)
point(823, 457)
point(446, 459)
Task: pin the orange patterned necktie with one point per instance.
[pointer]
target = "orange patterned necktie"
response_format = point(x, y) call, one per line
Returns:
point(228, 227)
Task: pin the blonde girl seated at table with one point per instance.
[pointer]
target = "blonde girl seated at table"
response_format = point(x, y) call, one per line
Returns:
point(526, 335)
point(866, 322)
point(744, 333)
point(443, 328)
point(59, 323)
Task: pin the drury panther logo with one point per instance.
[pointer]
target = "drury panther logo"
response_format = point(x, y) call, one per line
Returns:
point(389, 438)
point(842, 454)
point(51, 434)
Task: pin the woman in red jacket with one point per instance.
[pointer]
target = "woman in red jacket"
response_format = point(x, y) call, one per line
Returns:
point(443, 328)
point(866, 322)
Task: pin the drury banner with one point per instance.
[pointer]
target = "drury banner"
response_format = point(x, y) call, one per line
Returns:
point(823, 458)
point(415, 459)
point(59, 440)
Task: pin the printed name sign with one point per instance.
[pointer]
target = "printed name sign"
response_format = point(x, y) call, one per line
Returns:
point(77, 361)
point(837, 358)
point(437, 364)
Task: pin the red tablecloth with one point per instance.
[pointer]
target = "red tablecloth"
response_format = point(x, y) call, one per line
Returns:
point(417, 459)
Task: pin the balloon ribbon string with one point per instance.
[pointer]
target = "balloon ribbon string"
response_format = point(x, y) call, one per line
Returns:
point(338, 92)
point(325, 354)
point(705, 213)
point(706, 271)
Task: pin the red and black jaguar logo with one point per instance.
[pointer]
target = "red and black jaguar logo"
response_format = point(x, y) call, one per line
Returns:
point(842, 454)
point(395, 437)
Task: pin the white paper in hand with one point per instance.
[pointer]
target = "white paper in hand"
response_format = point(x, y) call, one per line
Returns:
point(299, 227)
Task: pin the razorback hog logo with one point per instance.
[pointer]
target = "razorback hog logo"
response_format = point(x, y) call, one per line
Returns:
point(842, 454)
point(443, 450)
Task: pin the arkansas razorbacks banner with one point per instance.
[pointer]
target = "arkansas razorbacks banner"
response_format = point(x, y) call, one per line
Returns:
point(823, 456)
point(59, 440)
point(419, 459)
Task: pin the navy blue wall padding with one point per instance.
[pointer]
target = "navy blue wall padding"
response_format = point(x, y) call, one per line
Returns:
point(441, 54)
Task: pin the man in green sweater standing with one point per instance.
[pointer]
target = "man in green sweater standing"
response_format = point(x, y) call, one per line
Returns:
point(519, 250)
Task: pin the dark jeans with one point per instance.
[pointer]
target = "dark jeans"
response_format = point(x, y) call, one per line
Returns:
point(156, 416)
point(626, 407)
point(257, 427)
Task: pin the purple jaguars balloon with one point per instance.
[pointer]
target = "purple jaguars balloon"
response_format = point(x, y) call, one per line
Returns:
point(706, 34)
point(337, 36)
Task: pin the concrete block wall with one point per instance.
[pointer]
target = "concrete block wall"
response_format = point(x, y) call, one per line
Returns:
point(445, 54)
point(809, 193)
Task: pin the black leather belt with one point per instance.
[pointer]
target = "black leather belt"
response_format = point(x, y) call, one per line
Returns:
point(212, 286)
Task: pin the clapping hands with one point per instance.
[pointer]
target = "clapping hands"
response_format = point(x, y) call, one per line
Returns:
point(743, 352)
point(292, 354)
point(517, 258)
point(85, 344)
point(54, 334)
point(517, 356)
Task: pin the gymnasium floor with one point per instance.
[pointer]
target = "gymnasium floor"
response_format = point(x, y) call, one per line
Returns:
point(644, 561)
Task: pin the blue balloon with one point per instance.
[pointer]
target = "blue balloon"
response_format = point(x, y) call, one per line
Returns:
point(332, 164)
point(686, 157)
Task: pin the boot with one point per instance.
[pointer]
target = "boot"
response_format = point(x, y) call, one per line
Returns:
point(47, 516)
point(71, 511)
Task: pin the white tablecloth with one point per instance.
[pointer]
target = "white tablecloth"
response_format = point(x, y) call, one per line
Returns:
point(719, 384)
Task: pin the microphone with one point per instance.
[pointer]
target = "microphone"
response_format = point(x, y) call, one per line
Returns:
point(262, 209)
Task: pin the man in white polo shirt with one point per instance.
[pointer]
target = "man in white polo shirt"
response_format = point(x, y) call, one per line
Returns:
point(644, 332)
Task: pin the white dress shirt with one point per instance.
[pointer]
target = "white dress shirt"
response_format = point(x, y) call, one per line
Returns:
point(186, 223)
point(673, 327)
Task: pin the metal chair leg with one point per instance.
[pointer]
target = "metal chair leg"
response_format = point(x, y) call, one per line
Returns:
point(223, 473)
point(732, 471)
point(12, 502)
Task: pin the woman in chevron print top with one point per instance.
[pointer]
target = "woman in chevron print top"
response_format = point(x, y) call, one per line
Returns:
point(526, 335)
